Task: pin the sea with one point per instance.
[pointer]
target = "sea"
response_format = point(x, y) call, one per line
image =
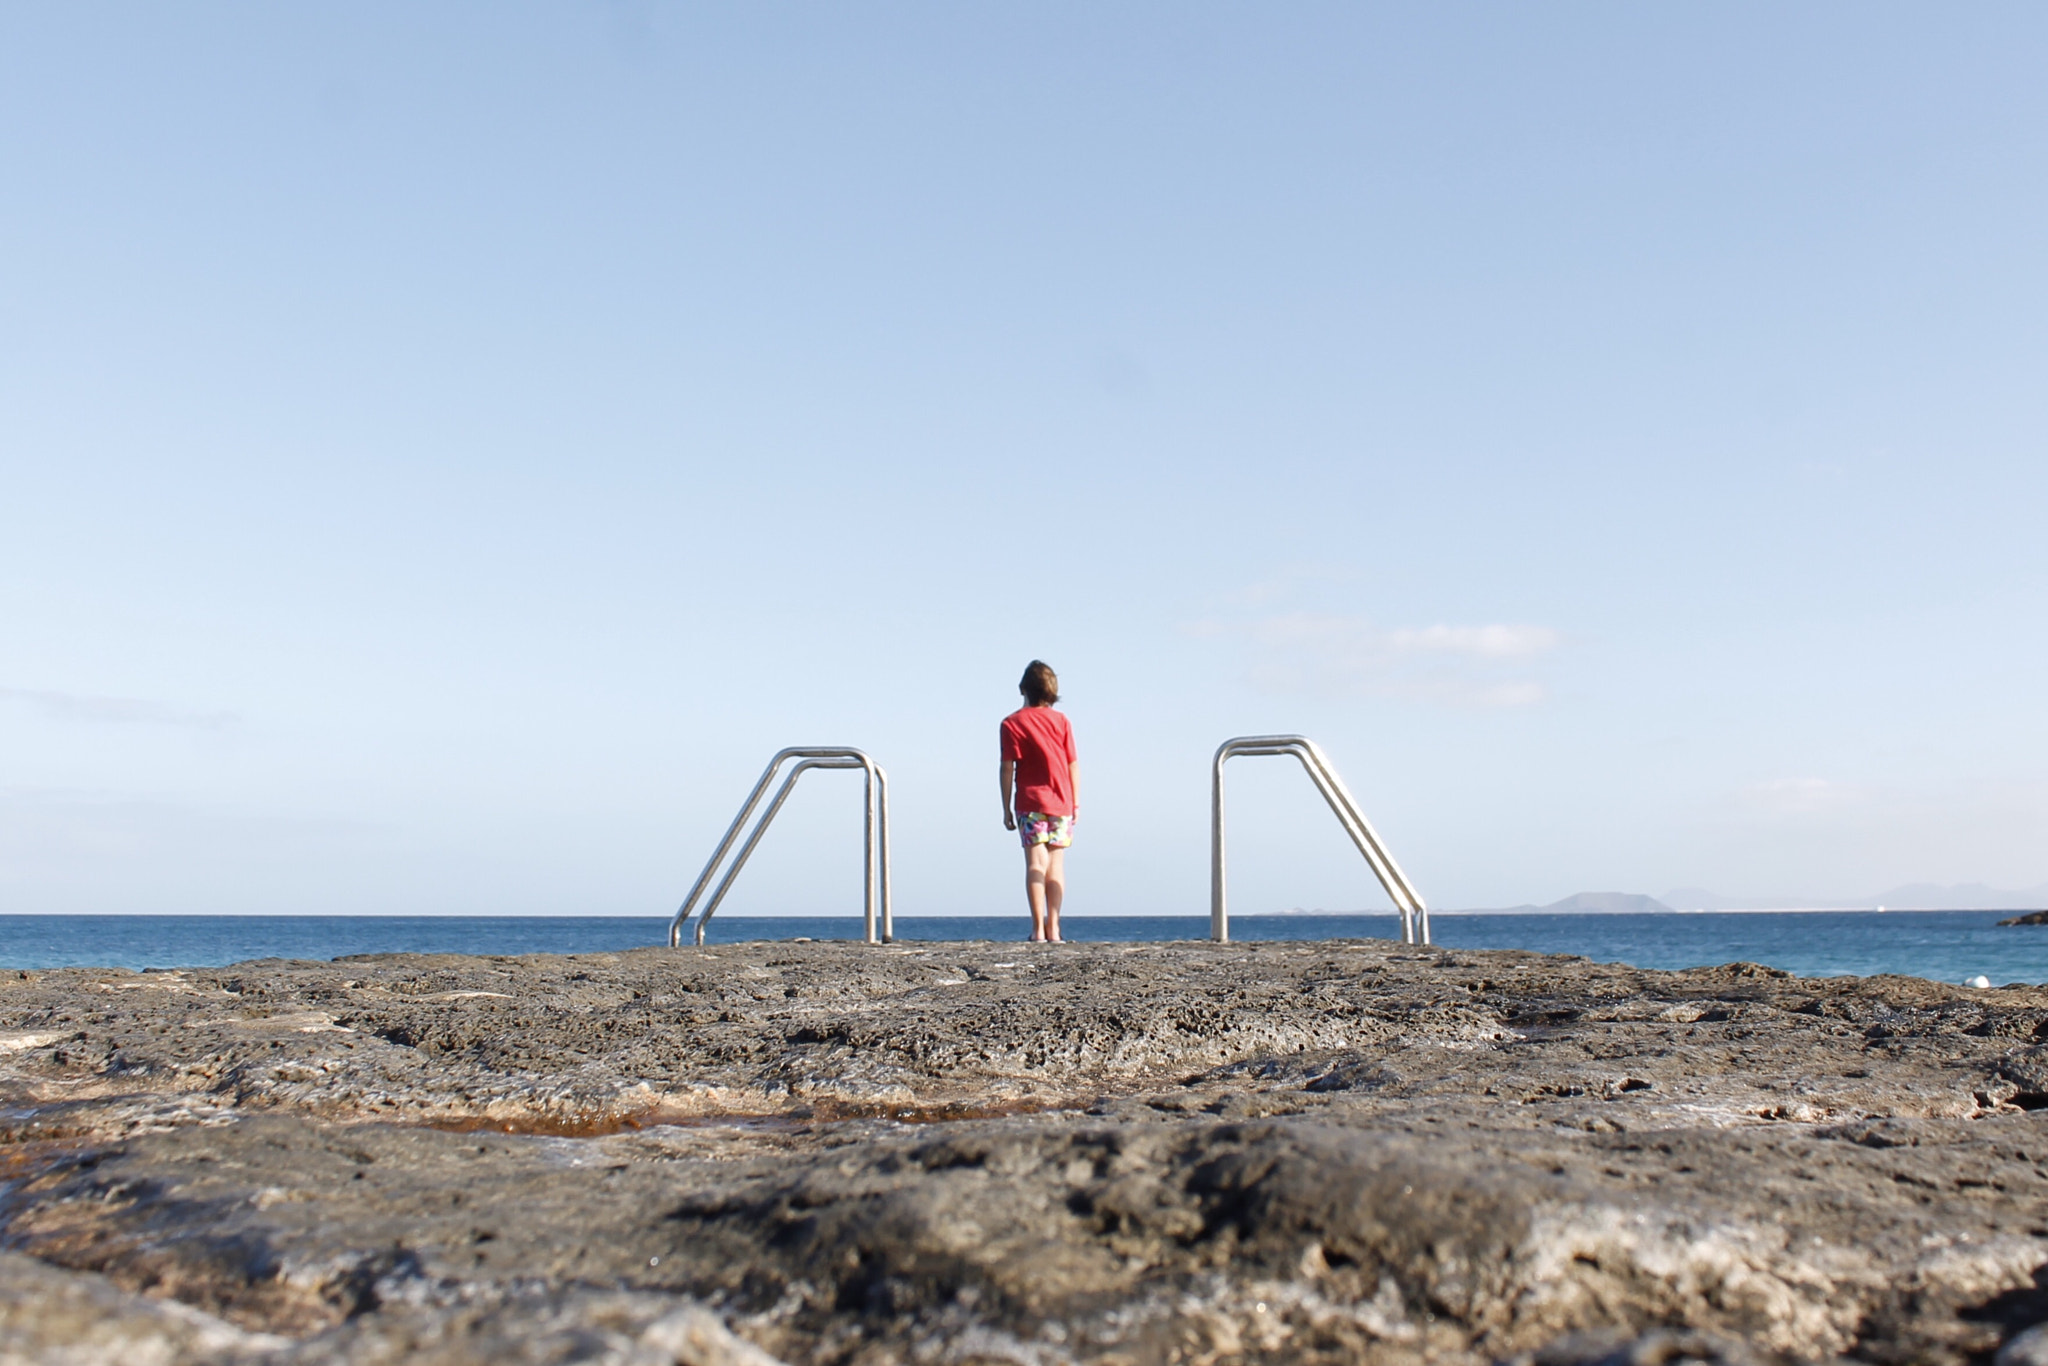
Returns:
point(1949, 946)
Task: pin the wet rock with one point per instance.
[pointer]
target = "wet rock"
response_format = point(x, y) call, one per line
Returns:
point(1663, 1347)
point(1133, 1154)
point(57, 1316)
point(2029, 1348)
point(52, 1316)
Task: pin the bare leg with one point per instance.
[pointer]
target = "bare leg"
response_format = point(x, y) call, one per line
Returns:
point(1055, 891)
point(1036, 857)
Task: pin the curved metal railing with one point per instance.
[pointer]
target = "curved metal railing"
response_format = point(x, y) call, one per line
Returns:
point(1414, 915)
point(875, 845)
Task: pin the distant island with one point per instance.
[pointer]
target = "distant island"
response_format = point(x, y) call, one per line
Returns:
point(1916, 896)
point(1911, 896)
point(1590, 903)
point(1579, 903)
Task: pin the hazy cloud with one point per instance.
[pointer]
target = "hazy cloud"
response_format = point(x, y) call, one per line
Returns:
point(1800, 796)
point(120, 711)
point(1285, 584)
point(1483, 642)
point(1526, 693)
point(1343, 655)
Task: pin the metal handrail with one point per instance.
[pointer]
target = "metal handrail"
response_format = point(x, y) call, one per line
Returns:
point(1414, 914)
point(875, 844)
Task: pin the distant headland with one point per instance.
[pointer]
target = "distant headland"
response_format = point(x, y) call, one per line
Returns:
point(1914, 896)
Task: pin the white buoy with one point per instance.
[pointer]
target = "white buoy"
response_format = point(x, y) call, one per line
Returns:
point(1980, 981)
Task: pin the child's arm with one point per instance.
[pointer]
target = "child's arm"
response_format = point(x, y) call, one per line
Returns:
point(1009, 779)
point(1074, 784)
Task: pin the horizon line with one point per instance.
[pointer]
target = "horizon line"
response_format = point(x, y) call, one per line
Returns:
point(1002, 915)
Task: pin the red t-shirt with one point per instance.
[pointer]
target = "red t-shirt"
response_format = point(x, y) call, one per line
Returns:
point(1041, 743)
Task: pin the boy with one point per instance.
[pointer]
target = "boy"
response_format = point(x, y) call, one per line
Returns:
point(1041, 782)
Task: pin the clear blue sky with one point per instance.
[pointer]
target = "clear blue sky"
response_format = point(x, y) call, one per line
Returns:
point(446, 449)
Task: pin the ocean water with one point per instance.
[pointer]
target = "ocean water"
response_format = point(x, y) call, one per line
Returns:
point(1949, 946)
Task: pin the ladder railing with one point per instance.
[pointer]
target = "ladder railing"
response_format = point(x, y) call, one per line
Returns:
point(875, 845)
point(1414, 915)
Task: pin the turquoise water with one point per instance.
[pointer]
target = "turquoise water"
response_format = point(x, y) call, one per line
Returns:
point(1947, 945)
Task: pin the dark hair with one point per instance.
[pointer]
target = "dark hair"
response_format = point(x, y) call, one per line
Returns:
point(1040, 685)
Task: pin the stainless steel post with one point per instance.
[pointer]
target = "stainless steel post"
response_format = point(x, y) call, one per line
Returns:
point(882, 845)
point(867, 854)
point(761, 828)
point(675, 929)
point(1323, 774)
point(875, 842)
point(1219, 915)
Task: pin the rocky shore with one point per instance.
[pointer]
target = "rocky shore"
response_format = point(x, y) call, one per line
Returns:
point(942, 1154)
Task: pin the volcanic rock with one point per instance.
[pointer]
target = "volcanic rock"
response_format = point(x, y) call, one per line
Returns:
point(957, 1153)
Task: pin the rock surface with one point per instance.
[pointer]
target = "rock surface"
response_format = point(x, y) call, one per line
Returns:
point(935, 1154)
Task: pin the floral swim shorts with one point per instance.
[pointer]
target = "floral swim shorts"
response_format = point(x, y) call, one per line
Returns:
point(1035, 827)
